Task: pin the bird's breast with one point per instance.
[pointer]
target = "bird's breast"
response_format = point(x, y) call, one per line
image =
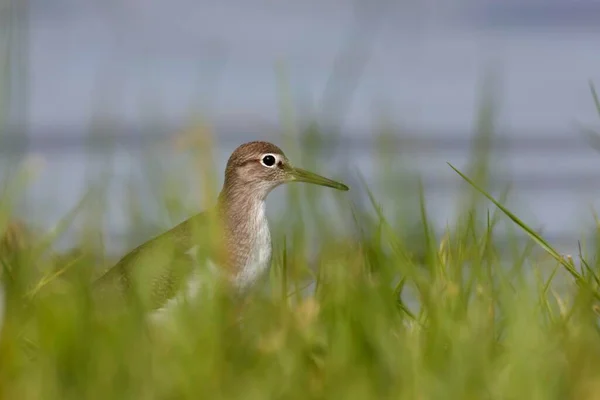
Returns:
point(258, 259)
point(253, 260)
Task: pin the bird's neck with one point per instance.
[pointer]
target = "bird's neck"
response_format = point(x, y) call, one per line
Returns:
point(243, 216)
point(240, 207)
point(240, 202)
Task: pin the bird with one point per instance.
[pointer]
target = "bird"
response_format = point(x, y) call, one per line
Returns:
point(232, 239)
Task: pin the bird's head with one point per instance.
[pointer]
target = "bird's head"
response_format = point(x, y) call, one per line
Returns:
point(261, 166)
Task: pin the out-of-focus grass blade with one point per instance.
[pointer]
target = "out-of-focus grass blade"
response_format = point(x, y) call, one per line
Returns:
point(591, 136)
point(51, 237)
point(544, 301)
point(595, 97)
point(534, 235)
point(52, 276)
point(284, 272)
point(428, 230)
point(587, 266)
point(370, 194)
point(400, 303)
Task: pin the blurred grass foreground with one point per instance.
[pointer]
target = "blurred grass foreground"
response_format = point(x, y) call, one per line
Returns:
point(370, 315)
point(465, 319)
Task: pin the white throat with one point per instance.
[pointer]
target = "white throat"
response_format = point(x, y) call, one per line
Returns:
point(259, 257)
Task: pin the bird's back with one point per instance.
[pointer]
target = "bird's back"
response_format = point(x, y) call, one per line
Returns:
point(158, 269)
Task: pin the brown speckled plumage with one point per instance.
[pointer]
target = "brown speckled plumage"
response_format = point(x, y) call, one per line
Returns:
point(240, 246)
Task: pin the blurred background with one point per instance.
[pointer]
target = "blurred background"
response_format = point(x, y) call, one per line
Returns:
point(88, 86)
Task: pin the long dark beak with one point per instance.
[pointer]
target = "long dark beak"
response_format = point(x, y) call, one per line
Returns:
point(301, 175)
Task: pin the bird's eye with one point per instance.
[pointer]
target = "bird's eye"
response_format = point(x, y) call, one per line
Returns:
point(268, 160)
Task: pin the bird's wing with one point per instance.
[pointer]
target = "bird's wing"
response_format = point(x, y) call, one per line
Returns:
point(158, 268)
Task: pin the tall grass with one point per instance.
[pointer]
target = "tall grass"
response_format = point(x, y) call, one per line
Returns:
point(392, 310)
point(463, 320)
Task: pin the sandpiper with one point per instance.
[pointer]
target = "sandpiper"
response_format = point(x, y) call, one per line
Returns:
point(169, 266)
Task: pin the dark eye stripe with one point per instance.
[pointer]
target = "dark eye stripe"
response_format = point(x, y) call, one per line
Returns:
point(253, 160)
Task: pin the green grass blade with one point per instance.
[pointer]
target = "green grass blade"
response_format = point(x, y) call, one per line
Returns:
point(532, 234)
point(595, 97)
